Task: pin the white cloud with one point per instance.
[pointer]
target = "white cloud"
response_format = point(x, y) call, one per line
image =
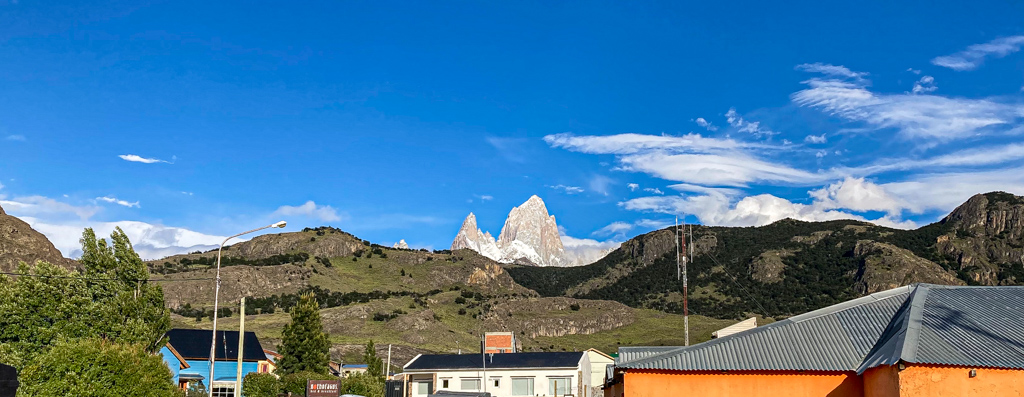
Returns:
point(151, 241)
point(945, 191)
point(613, 228)
point(512, 149)
point(600, 184)
point(686, 187)
point(115, 200)
point(742, 125)
point(632, 186)
point(857, 194)
point(44, 206)
point(636, 143)
point(914, 71)
point(820, 154)
point(706, 124)
point(718, 210)
point(727, 169)
point(567, 189)
point(310, 209)
point(975, 55)
point(585, 251)
point(139, 159)
point(931, 118)
point(831, 70)
point(979, 156)
point(925, 85)
point(816, 139)
point(484, 197)
point(653, 190)
point(18, 138)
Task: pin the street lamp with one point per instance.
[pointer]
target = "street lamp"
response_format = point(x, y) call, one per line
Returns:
point(216, 295)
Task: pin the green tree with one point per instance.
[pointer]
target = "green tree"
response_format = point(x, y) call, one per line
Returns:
point(260, 385)
point(374, 365)
point(362, 385)
point(94, 367)
point(305, 346)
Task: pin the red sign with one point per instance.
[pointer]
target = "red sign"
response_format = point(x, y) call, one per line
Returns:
point(323, 388)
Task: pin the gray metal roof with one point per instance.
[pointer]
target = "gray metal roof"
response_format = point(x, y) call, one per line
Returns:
point(631, 353)
point(835, 338)
point(967, 326)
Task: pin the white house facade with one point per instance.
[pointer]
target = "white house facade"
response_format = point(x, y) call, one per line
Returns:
point(555, 374)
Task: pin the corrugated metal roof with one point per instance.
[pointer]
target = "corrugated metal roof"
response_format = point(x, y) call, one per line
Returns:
point(835, 338)
point(968, 326)
point(630, 353)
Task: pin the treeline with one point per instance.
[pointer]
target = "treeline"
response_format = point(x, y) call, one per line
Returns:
point(326, 299)
point(186, 264)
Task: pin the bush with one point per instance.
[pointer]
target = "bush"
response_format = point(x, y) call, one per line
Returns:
point(363, 385)
point(260, 385)
point(460, 300)
point(296, 382)
point(575, 307)
point(95, 367)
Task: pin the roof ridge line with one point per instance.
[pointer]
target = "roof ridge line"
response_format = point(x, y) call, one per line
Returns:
point(913, 333)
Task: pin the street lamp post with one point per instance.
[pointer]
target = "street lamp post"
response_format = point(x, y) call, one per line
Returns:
point(216, 296)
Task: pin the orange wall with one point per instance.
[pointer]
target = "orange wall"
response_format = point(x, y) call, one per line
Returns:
point(740, 383)
point(940, 381)
point(883, 381)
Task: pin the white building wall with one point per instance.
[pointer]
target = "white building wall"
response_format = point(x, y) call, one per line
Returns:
point(579, 378)
point(598, 365)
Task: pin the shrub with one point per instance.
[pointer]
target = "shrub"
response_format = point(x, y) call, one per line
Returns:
point(460, 300)
point(296, 382)
point(260, 385)
point(363, 385)
point(95, 367)
point(575, 307)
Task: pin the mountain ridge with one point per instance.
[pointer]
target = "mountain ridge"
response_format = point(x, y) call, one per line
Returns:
point(529, 236)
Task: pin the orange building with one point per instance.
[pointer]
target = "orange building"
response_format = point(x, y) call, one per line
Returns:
point(500, 342)
point(919, 340)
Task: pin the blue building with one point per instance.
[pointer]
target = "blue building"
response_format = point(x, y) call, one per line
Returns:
point(187, 354)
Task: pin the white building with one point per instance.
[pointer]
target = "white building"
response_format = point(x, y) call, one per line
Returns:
point(599, 363)
point(554, 374)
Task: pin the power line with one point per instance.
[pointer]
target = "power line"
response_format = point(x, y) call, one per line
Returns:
point(733, 278)
point(102, 279)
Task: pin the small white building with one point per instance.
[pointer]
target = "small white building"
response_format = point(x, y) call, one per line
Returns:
point(741, 326)
point(599, 363)
point(554, 374)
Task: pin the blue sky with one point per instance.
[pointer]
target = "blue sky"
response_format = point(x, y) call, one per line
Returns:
point(184, 121)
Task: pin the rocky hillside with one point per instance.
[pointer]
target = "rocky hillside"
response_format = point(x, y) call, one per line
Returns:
point(20, 243)
point(790, 267)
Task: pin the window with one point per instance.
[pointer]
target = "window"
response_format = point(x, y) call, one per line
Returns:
point(559, 386)
point(422, 388)
point(444, 383)
point(522, 386)
point(471, 384)
point(219, 391)
point(496, 381)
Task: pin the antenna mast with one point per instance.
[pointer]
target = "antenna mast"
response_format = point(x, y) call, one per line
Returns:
point(681, 273)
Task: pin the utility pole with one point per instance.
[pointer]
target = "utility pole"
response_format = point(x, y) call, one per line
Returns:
point(241, 346)
point(483, 356)
point(387, 375)
point(680, 238)
point(686, 296)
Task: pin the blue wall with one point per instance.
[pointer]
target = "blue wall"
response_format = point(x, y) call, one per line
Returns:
point(222, 370)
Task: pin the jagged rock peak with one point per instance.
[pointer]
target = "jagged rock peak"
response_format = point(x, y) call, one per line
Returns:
point(401, 244)
point(529, 236)
point(2, 211)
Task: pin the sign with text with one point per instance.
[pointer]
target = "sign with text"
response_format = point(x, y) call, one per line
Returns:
point(323, 388)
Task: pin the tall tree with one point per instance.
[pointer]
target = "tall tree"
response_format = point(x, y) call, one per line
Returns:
point(305, 346)
point(109, 299)
point(374, 365)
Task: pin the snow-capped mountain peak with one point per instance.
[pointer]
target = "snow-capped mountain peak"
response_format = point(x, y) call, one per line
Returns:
point(529, 235)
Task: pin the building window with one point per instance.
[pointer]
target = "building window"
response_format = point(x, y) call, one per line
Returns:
point(220, 391)
point(496, 381)
point(470, 384)
point(522, 386)
point(444, 383)
point(559, 386)
point(422, 388)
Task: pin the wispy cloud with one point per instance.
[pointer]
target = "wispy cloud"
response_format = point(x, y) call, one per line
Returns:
point(567, 189)
point(310, 209)
point(931, 118)
point(115, 200)
point(633, 186)
point(653, 190)
point(484, 197)
point(832, 70)
point(17, 138)
point(613, 229)
point(925, 85)
point(139, 159)
point(706, 124)
point(600, 183)
point(972, 57)
point(512, 149)
point(816, 139)
point(47, 207)
point(742, 125)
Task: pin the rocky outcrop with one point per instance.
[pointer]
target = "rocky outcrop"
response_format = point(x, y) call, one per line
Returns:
point(885, 266)
point(20, 243)
point(529, 237)
point(577, 316)
point(768, 267)
point(986, 234)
